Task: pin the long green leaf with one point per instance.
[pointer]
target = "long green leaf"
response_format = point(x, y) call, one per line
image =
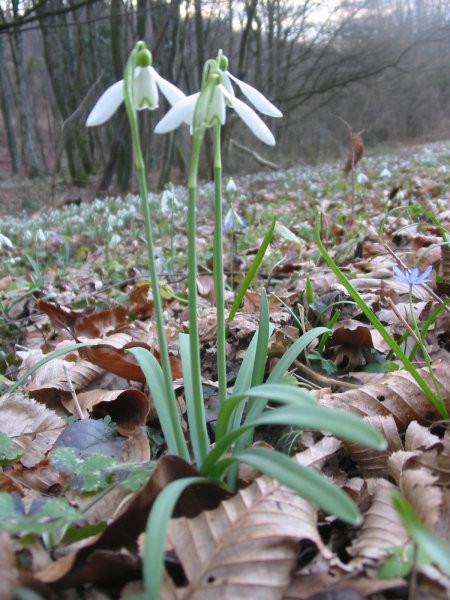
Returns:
point(373, 319)
point(254, 267)
point(167, 414)
point(306, 482)
point(300, 414)
point(156, 532)
point(288, 394)
point(47, 358)
point(195, 406)
point(437, 551)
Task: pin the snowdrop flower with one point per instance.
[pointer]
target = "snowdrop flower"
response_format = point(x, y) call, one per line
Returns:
point(232, 219)
point(209, 105)
point(169, 202)
point(362, 178)
point(231, 186)
point(41, 236)
point(5, 241)
point(146, 84)
point(385, 173)
point(412, 276)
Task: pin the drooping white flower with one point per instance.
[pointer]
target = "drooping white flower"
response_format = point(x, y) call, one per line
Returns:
point(223, 96)
point(385, 173)
point(169, 202)
point(362, 178)
point(231, 186)
point(146, 84)
point(5, 241)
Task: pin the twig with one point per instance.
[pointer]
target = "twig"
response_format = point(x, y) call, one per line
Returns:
point(259, 159)
point(73, 393)
point(403, 320)
point(328, 381)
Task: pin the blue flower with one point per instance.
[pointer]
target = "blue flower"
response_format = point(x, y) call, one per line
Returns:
point(412, 276)
point(232, 219)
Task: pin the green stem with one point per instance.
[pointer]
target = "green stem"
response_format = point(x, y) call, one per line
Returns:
point(182, 449)
point(440, 407)
point(420, 336)
point(218, 269)
point(194, 344)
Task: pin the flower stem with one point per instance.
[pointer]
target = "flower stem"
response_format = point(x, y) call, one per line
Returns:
point(181, 446)
point(218, 269)
point(194, 344)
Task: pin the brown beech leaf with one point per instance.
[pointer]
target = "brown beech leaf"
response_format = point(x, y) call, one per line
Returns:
point(112, 556)
point(246, 548)
point(102, 323)
point(395, 394)
point(9, 574)
point(418, 485)
point(81, 374)
point(311, 586)
point(139, 302)
point(31, 425)
point(61, 315)
point(371, 462)
point(128, 408)
point(355, 152)
point(420, 438)
point(115, 359)
point(350, 332)
point(381, 528)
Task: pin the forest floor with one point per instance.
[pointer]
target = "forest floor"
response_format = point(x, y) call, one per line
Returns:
point(75, 528)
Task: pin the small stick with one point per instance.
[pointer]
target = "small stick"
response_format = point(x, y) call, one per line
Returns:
point(73, 393)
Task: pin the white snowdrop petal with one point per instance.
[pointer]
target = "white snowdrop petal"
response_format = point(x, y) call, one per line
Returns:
point(218, 107)
point(106, 105)
point(181, 112)
point(227, 83)
point(170, 91)
point(258, 100)
point(145, 90)
point(251, 119)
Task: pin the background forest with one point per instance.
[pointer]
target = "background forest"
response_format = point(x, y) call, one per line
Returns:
point(382, 66)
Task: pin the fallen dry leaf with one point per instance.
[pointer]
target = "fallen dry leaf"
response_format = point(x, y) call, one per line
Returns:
point(31, 425)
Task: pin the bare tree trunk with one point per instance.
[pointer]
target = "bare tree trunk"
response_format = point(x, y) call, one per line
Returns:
point(5, 97)
point(30, 154)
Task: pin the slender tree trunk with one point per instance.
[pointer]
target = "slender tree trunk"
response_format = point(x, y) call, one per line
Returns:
point(30, 154)
point(5, 95)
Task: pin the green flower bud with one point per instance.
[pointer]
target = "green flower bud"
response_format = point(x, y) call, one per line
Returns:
point(223, 63)
point(144, 58)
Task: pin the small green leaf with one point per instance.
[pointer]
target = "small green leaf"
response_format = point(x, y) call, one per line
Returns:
point(44, 516)
point(10, 452)
point(91, 472)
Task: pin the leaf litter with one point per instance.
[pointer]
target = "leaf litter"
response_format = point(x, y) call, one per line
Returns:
point(82, 454)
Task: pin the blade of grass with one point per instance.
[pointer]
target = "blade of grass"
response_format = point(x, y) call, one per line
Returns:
point(195, 406)
point(251, 273)
point(305, 481)
point(167, 411)
point(156, 532)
